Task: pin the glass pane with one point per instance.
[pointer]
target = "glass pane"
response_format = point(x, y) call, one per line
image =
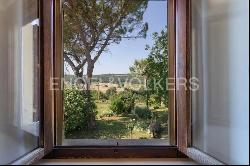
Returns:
point(220, 57)
point(115, 59)
point(19, 113)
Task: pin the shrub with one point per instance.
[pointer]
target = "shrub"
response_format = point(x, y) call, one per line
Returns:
point(128, 98)
point(122, 103)
point(142, 94)
point(108, 113)
point(79, 111)
point(99, 95)
point(131, 126)
point(155, 101)
point(117, 106)
point(142, 125)
point(111, 92)
point(156, 129)
point(143, 113)
point(139, 97)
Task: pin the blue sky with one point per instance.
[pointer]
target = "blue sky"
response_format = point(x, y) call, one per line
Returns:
point(121, 56)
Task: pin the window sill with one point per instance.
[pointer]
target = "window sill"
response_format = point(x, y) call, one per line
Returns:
point(153, 161)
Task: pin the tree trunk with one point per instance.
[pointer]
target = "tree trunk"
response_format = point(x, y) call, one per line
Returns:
point(147, 95)
point(79, 77)
point(90, 69)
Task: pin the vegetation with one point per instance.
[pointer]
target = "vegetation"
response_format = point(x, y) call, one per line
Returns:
point(91, 26)
point(111, 92)
point(117, 106)
point(135, 121)
point(143, 113)
point(120, 111)
point(77, 111)
point(126, 109)
point(122, 103)
point(155, 128)
point(119, 127)
point(97, 95)
point(154, 70)
point(109, 78)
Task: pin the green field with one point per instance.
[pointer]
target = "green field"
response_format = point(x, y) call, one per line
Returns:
point(109, 126)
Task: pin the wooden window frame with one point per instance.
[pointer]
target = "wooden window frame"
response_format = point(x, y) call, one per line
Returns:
point(53, 64)
point(184, 99)
point(47, 72)
point(44, 71)
point(183, 56)
point(51, 101)
point(183, 96)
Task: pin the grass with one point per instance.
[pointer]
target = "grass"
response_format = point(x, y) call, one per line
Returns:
point(116, 127)
point(102, 108)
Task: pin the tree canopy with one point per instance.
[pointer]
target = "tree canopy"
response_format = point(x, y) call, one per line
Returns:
point(155, 67)
point(90, 26)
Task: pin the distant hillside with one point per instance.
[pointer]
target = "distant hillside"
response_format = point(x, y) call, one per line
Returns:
point(109, 78)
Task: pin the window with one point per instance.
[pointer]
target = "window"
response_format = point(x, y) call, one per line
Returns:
point(115, 73)
point(19, 112)
point(36, 92)
point(220, 54)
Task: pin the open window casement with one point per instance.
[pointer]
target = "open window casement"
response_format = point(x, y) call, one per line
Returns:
point(203, 49)
point(22, 116)
point(26, 130)
point(212, 127)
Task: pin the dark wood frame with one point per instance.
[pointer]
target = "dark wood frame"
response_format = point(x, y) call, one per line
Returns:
point(51, 101)
point(179, 20)
point(116, 152)
point(51, 50)
point(177, 23)
point(44, 70)
point(183, 70)
point(183, 51)
point(47, 72)
point(172, 71)
point(59, 70)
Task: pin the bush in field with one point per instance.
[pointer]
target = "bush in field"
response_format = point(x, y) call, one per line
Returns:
point(129, 101)
point(155, 101)
point(78, 110)
point(117, 106)
point(155, 126)
point(108, 113)
point(142, 95)
point(156, 129)
point(99, 95)
point(143, 113)
point(111, 92)
point(122, 103)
